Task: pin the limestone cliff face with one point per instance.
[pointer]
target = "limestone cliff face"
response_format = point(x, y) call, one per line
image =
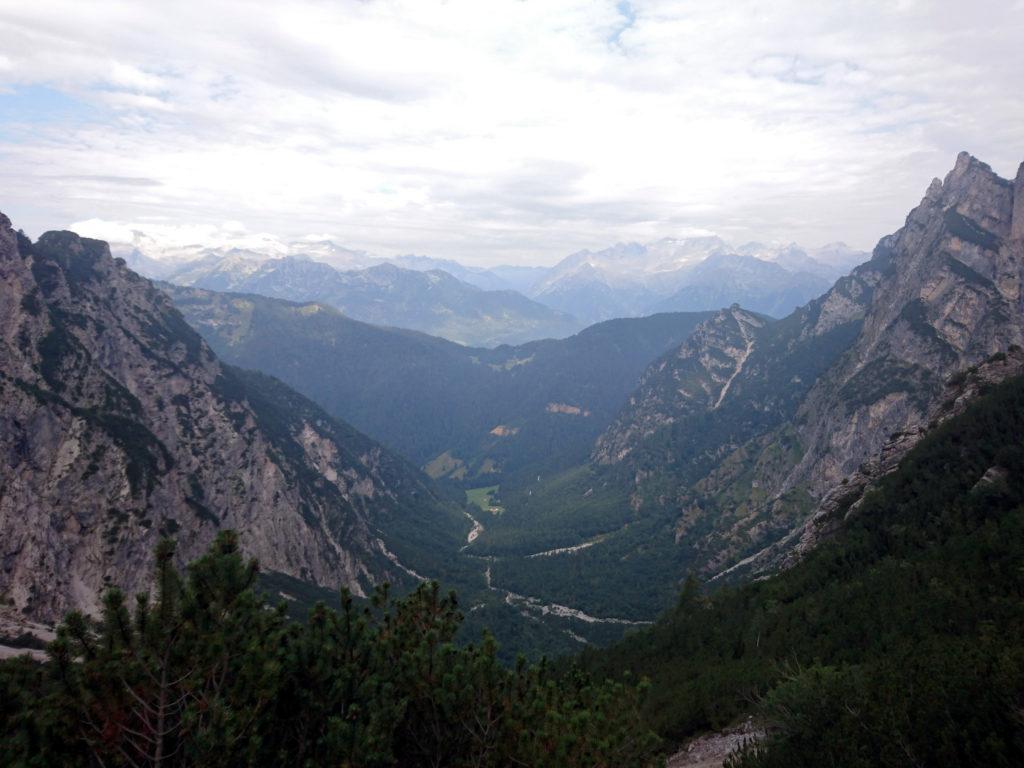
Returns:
point(951, 298)
point(118, 425)
point(842, 501)
point(695, 378)
point(835, 392)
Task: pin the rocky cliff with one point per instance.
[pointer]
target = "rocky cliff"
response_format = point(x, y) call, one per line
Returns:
point(693, 379)
point(747, 430)
point(951, 297)
point(118, 425)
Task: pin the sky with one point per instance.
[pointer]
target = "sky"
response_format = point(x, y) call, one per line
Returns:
point(498, 132)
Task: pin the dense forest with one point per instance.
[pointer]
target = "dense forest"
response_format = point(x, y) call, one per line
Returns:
point(452, 397)
point(207, 673)
point(896, 643)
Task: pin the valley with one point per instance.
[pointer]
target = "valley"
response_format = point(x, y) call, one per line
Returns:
point(465, 413)
point(595, 473)
point(709, 467)
point(569, 384)
point(575, 493)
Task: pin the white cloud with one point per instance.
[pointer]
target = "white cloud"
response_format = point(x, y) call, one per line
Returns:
point(161, 238)
point(504, 131)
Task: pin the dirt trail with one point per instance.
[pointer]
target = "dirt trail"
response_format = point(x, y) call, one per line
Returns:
point(710, 750)
point(569, 550)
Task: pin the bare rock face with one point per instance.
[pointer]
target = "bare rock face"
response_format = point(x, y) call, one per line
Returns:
point(757, 442)
point(1017, 225)
point(953, 299)
point(696, 377)
point(118, 426)
point(843, 501)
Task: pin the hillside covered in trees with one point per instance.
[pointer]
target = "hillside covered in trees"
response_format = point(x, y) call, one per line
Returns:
point(895, 643)
point(207, 673)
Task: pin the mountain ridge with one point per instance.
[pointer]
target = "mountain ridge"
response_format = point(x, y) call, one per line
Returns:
point(945, 293)
point(624, 280)
point(719, 474)
point(432, 301)
point(486, 410)
point(121, 426)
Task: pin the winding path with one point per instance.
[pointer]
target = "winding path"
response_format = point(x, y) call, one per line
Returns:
point(526, 602)
point(569, 550)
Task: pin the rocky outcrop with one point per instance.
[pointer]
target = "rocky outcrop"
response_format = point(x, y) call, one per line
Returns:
point(843, 501)
point(1017, 224)
point(952, 298)
point(118, 425)
point(695, 378)
point(760, 458)
point(711, 750)
point(963, 250)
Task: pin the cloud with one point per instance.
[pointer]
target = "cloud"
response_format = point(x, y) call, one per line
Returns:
point(162, 238)
point(502, 131)
point(130, 181)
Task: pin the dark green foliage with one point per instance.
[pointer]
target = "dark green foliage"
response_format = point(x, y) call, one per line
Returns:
point(970, 231)
point(202, 511)
point(169, 328)
point(884, 376)
point(31, 303)
point(53, 348)
point(454, 395)
point(143, 450)
point(897, 643)
point(636, 570)
point(207, 674)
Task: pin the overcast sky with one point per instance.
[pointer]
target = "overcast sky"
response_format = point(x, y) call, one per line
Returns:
point(499, 131)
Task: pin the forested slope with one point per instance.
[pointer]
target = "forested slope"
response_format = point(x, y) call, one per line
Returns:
point(897, 642)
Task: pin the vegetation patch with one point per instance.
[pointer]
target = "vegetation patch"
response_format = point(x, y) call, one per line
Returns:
point(232, 681)
point(883, 377)
point(970, 231)
point(486, 499)
point(896, 642)
point(446, 465)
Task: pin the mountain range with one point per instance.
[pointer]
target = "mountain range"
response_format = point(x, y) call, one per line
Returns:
point(713, 494)
point(725, 456)
point(469, 414)
point(480, 306)
point(434, 302)
point(893, 642)
point(691, 274)
point(121, 426)
point(734, 448)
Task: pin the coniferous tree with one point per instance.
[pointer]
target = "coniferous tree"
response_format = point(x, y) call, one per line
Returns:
point(205, 672)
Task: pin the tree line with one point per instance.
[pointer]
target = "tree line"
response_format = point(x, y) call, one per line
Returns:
point(206, 672)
